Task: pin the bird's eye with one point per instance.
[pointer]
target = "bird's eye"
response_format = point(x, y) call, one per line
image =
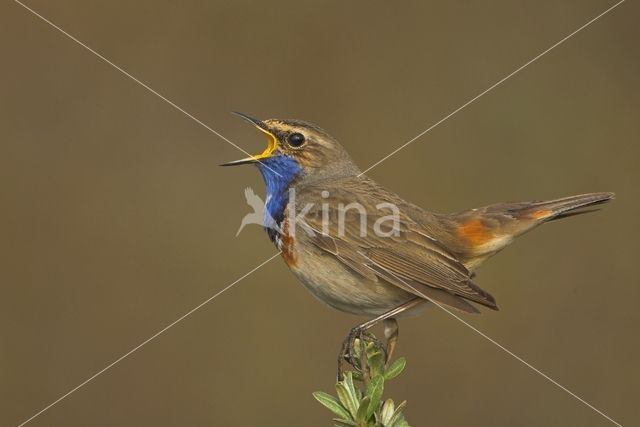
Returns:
point(295, 139)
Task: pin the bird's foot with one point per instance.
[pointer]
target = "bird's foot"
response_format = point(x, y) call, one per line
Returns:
point(354, 356)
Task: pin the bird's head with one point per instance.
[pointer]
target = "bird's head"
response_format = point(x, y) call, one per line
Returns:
point(297, 149)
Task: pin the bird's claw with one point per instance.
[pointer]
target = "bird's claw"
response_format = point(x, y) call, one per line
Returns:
point(350, 354)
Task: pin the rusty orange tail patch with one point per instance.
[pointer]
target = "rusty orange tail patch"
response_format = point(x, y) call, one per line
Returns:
point(475, 232)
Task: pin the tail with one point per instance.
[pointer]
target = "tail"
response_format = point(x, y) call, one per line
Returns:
point(562, 208)
point(479, 233)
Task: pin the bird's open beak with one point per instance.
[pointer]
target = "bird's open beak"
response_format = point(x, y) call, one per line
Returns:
point(271, 140)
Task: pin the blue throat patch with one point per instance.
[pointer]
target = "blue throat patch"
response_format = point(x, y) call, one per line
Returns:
point(278, 173)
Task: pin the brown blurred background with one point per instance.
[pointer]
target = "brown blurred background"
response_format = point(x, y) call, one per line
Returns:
point(116, 219)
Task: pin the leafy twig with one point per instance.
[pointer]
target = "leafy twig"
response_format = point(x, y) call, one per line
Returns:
point(359, 395)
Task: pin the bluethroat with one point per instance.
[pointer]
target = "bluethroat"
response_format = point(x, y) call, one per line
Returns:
point(362, 249)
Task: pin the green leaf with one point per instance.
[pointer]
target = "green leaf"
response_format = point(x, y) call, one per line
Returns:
point(357, 347)
point(371, 348)
point(347, 399)
point(397, 415)
point(359, 401)
point(348, 381)
point(401, 422)
point(376, 363)
point(344, 423)
point(361, 416)
point(388, 408)
point(395, 368)
point(374, 393)
point(332, 404)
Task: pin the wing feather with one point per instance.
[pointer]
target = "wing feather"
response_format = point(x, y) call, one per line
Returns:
point(410, 259)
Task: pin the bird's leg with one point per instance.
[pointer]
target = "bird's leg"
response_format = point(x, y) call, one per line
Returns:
point(347, 351)
point(391, 332)
point(363, 338)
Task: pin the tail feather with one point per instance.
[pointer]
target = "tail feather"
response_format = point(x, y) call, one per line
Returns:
point(480, 233)
point(567, 206)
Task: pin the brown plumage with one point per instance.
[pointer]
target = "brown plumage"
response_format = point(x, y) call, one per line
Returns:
point(362, 249)
point(433, 253)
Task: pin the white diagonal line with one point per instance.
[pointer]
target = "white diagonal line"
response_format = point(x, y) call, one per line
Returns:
point(141, 83)
point(151, 338)
point(500, 346)
point(527, 364)
point(493, 86)
point(136, 348)
point(271, 258)
point(482, 334)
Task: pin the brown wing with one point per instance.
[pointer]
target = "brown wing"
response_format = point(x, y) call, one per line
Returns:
point(408, 258)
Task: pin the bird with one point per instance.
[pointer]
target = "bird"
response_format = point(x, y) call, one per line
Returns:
point(362, 249)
